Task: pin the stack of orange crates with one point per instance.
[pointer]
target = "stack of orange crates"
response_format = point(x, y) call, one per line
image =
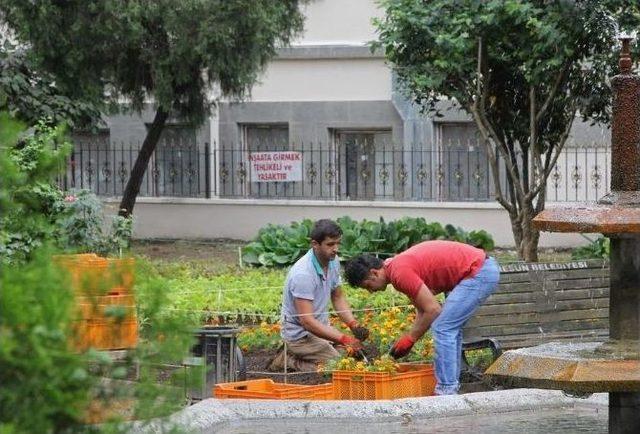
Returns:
point(411, 380)
point(105, 303)
point(268, 389)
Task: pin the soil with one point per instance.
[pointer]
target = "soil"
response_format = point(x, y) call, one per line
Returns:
point(218, 254)
point(258, 360)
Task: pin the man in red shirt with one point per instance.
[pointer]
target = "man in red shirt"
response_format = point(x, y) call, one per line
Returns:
point(465, 273)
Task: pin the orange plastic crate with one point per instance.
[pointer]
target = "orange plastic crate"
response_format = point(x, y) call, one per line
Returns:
point(96, 307)
point(268, 389)
point(105, 335)
point(122, 274)
point(410, 380)
point(93, 275)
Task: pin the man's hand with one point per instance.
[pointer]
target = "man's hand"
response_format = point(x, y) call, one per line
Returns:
point(352, 344)
point(361, 333)
point(402, 347)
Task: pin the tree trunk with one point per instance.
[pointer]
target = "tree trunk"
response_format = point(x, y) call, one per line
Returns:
point(528, 249)
point(525, 236)
point(142, 161)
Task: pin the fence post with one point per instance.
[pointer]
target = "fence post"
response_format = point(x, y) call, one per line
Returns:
point(207, 170)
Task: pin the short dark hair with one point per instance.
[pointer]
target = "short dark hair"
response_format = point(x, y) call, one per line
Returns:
point(325, 228)
point(358, 268)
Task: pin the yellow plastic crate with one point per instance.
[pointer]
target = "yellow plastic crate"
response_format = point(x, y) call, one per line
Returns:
point(411, 380)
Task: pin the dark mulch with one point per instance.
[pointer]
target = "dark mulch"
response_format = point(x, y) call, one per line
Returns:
point(258, 360)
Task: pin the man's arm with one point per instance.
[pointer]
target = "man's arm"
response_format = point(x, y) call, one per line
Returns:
point(312, 325)
point(427, 310)
point(341, 305)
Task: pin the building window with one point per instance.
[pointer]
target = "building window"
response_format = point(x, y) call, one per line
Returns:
point(255, 138)
point(365, 165)
point(176, 167)
point(92, 163)
point(265, 137)
point(91, 139)
point(462, 162)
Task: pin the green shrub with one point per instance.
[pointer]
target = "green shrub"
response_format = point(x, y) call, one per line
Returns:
point(79, 226)
point(45, 386)
point(33, 210)
point(279, 245)
point(30, 201)
point(596, 249)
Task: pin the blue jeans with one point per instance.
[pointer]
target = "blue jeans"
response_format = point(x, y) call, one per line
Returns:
point(460, 305)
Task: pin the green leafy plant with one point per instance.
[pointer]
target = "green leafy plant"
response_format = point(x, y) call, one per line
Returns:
point(30, 201)
point(80, 226)
point(596, 249)
point(45, 385)
point(279, 245)
point(35, 210)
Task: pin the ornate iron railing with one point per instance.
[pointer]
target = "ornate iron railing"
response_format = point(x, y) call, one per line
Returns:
point(371, 172)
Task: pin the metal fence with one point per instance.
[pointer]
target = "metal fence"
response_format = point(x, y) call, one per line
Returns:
point(371, 172)
point(172, 172)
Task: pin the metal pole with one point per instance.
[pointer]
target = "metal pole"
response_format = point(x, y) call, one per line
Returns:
point(207, 170)
point(285, 362)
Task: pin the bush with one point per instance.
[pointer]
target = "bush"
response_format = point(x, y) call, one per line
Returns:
point(30, 201)
point(79, 226)
point(33, 210)
point(45, 386)
point(279, 245)
point(596, 249)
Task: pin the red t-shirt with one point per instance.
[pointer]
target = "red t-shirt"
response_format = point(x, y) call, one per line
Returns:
point(440, 265)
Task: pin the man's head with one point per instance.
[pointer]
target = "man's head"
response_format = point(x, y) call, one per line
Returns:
point(366, 271)
point(325, 240)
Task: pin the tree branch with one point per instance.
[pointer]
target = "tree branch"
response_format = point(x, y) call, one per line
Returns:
point(558, 148)
point(553, 91)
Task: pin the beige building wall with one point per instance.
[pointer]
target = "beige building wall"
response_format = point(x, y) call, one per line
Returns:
point(324, 80)
point(171, 218)
point(337, 22)
point(329, 75)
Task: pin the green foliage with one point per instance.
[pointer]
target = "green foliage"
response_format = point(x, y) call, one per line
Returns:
point(33, 210)
point(249, 295)
point(166, 337)
point(246, 296)
point(600, 248)
point(45, 386)
point(278, 245)
point(31, 95)
point(434, 49)
point(80, 226)
point(174, 50)
point(30, 201)
point(104, 52)
point(521, 69)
